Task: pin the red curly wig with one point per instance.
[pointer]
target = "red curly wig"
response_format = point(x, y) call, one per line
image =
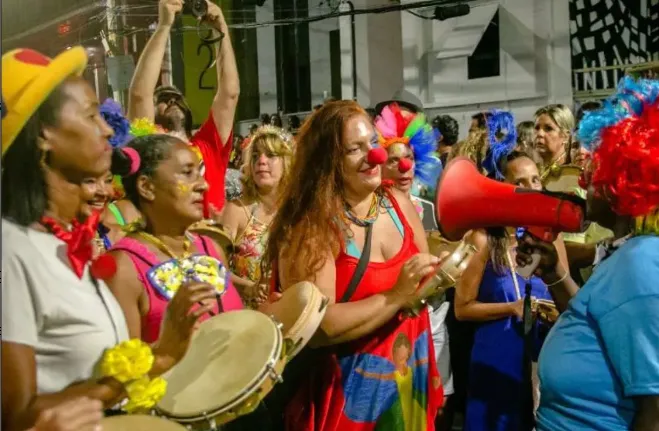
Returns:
point(304, 230)
point(626, 164)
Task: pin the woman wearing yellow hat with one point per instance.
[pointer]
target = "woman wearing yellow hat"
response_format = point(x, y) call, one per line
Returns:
point(63, 333)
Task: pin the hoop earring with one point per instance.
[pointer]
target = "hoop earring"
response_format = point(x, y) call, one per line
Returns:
point(43, 158)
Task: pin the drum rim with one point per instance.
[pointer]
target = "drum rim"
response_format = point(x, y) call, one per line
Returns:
point(276, 358)
point(159, 419)
point(306, 317)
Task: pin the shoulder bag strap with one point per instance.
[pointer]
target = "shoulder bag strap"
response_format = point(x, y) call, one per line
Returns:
point(361, 266)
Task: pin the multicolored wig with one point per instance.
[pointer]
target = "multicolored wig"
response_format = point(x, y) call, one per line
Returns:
point(395, 129)
point(623, 137)
point(502, 140)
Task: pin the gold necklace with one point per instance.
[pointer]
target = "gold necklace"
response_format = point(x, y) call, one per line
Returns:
point(187, 245)
point(553, 166)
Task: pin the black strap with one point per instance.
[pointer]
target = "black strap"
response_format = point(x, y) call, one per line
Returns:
point(361, 266)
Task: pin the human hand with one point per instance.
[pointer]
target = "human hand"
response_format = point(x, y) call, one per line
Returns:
point(214, 14)
point(167, 10)
point(180, 318)
point(257, 293)
point(518, 308)
point(81, 414)
point(413, 271)
point(215, 215)
point(548, 263)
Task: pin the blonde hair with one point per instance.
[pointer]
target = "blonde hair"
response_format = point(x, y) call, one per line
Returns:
point(474, 147)
point(274, 142)
point(562, 116)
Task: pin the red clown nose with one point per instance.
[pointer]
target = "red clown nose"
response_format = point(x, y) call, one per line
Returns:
point(404, 165)
point(376, 156)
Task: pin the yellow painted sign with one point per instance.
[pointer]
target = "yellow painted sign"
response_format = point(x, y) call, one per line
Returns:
point(199, 71)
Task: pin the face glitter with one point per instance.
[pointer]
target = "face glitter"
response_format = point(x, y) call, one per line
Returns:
point(182, 187)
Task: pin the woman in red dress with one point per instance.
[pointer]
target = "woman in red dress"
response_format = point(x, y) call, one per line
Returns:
point(373, 367)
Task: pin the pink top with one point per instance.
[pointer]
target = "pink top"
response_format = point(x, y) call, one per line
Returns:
point(144, 260)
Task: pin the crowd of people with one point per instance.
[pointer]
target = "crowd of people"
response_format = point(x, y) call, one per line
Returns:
point(108, 275)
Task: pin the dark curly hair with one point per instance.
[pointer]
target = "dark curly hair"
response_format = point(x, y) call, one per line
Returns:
point(313, 195)
point(152, 149)
point(448, 127)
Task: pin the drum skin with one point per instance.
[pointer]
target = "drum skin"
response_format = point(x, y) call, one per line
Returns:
point(139, 423)
point(216, 232)
point(300, 310)
point(233, 362)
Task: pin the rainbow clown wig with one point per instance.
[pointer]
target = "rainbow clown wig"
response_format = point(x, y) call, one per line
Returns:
point(395, 131)
point(623, 137)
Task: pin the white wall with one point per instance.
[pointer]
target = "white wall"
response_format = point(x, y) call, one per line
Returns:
point(535, 63)
point(319, 56)
point(267, 58)
point(397, 48)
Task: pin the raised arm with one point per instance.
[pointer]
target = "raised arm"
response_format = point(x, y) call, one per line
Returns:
point(145, 78)
point(228, 83)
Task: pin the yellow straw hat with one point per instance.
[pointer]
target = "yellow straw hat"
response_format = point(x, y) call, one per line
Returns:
point(28, 78)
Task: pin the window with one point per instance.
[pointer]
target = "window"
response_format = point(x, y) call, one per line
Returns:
point(485, 61)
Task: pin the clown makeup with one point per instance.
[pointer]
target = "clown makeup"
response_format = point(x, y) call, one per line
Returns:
point(359, 137)
point(178, 185)
point(399, 167)
point(183, 188)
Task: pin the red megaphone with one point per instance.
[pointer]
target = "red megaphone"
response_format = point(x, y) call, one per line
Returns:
point(467, 200)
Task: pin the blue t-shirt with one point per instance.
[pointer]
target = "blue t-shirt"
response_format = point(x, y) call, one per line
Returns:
point(604, 350)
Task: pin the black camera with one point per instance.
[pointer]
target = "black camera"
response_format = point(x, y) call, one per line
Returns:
point(196, 8)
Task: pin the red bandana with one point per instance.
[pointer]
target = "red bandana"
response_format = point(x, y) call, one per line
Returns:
point(79, 245)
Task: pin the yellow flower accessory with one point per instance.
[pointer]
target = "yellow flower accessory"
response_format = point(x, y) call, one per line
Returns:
point(127, 361)
point(143, 127)
point(144, 393)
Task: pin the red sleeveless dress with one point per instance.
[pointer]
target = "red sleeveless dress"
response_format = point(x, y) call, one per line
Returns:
point(387, 380)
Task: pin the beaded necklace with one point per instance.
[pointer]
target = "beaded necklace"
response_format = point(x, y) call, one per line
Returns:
point(371, 216)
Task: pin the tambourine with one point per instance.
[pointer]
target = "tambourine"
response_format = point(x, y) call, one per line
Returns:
point(563, 179)
point(438, 245)
point(545, 310)
point(445, 277)
point(139, 423)
point(215, 231)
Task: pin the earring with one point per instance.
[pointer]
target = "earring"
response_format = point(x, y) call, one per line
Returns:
point(42, 159)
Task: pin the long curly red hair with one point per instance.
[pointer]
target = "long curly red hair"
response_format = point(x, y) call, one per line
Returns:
point(304, 229)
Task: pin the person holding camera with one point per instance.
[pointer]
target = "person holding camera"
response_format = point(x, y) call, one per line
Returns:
point(167, 106)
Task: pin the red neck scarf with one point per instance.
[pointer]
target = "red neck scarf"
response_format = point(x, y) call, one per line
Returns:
point(79, 245)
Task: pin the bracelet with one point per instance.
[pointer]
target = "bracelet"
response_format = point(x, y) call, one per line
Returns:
point(562, 279)
point(129, 363)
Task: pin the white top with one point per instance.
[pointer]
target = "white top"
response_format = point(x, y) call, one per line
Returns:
point(68, 321)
